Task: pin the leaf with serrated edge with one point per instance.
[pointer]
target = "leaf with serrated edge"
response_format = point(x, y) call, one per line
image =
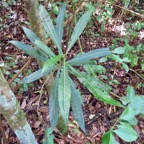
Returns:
point(81, 24)
point(36, 75)
point(94, 90)
point(53, 103)
point(50, 62)
point(36, 41)
point(49, 27)
point(31, 35)
point(29, 50)
point(126, 132)
point(89, 55)
point(44, 48)
point(108, 138)
point(77, 107)
point(64, 93)
point(60, 22)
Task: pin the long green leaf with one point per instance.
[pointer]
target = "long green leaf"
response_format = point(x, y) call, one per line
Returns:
point(31, 35)
point(44, 48)
point(29, 50)
point(49, 27)
point(94, 90)
point(53, 103)
point(36, 41)
point(36, 75)
point(94, 80)
point(81, 24)
point(60, 22)
point(50, 62)
point(77, 106)
point(64, 93)
point(89, 55)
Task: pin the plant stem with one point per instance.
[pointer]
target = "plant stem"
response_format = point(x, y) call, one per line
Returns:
point(136, 73)
point(20, 71)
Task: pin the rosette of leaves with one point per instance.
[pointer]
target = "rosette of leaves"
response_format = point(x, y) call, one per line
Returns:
point(64, 92)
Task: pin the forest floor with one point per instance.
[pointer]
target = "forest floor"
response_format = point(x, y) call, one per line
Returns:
point(99, 117)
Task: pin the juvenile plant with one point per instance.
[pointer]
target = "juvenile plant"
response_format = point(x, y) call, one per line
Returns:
point(64, 92)
point(124, 124)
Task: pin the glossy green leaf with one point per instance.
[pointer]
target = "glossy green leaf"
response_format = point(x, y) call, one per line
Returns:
point(134, 59)
point(137, 103)
point(130, 92)
point(93, 69)
point(50, 62)
point(81, 24)
point(49, 137)
point(119, 50)
point(89, 55)
point(60, 21)
point(125, 66)
point(44, 48)
point(116, 58)
point(128, 114)
point(90, 6)
point(77, 106)
point(108, 138)
point(134, 121)
point(78, 63)
point(64, 93)
point(126, 132)
point(29, 50)
point(53, 103)
point(94, 89)
point(94, 80)
point(36, 75)
point(49, 27)
point(103, 59)
point(126, 59)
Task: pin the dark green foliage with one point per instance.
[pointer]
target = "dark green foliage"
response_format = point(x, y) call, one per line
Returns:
point(64, 92)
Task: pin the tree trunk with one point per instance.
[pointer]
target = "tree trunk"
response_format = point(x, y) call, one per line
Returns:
point(32, 9)
point(11, 110)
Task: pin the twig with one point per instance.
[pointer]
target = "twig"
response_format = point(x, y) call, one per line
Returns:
point(137, 73)
point(18, 85)
point(142, 16)
point(20, 71)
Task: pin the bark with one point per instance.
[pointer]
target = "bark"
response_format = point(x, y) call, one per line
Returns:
point(12, 112)
point(32, 9)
